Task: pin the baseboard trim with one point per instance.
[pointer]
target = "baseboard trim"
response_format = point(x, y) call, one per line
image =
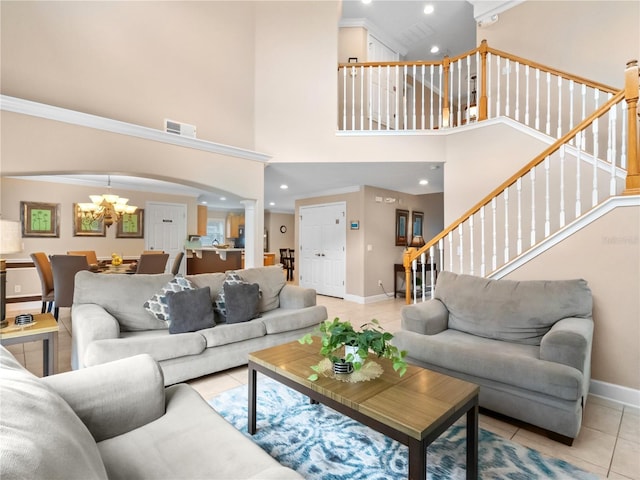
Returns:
point(364, 300)
point(616, 393)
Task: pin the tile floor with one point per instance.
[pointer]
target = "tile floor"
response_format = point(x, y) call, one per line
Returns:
point(608, 443)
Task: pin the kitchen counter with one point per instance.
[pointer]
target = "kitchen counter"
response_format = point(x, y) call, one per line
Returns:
point(213, 259)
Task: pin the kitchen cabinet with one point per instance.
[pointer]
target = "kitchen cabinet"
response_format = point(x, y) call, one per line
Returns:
point(202, 220)
point(234, 222)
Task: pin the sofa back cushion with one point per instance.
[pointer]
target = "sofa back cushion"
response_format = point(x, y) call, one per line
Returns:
point(42, 437)
point(271, 281)
point(514, 311)
point(123, 296)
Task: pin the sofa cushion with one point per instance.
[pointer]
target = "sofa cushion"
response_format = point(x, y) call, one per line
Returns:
point(514, 311)
point(40, 432)
point(271, 281)
point(123, 296)
point(158, 306)
point(190, 310)
point(212, 280)
point(241, 301)
point(281, 320)
point(220, 308)
point(233, 332)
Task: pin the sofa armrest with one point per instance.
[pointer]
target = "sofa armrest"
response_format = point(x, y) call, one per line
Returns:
point(90, 322)
point(294, 297)
point(569, 343)
point(115, 397)
point(427, 318)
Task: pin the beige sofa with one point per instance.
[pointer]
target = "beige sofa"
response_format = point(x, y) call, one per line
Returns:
point(110, 322)
point(118, 421)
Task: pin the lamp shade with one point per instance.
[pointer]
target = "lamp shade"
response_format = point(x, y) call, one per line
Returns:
point(10, 237)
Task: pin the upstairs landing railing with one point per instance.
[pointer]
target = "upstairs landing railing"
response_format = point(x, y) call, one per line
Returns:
point(568, 178)
point(484, 83)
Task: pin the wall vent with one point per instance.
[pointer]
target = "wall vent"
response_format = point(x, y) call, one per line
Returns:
point(184, 129)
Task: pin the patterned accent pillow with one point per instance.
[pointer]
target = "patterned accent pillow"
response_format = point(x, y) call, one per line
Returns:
point(232, 278)
point(158, 305)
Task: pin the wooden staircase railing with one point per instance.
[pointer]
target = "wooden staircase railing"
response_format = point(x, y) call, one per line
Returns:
point(580, 144)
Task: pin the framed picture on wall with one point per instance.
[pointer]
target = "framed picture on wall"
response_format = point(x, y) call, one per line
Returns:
point(417, 221)
point(86, 225)
point(131, 225)
point(40, 219)
point(402, 227)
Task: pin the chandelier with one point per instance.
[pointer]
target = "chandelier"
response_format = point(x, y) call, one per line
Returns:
point(108, 207)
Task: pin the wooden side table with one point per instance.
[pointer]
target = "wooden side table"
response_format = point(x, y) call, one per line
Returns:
point(44, 327)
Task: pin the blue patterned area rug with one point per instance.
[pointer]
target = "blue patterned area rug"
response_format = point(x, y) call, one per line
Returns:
point(321, 444)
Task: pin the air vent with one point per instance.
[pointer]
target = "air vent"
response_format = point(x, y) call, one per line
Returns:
point(184, 129)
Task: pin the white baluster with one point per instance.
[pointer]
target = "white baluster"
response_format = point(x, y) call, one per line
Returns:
point(388, 96)
point(361, 97)
point(494, 256)
point(441, 252)
point(547, 196)
point(459, 110)
point(498, 92)
point(404, 98)
point(353, 97)
point(623, 139)
point(440, 73)
point(344, 98)
point(508, 94)
point(489, 96)
point(571, 107)
point(548, 127)
point(506, 225)
point(370, 97)
point(519, 230)
point(517, 115)
point(422, 125)
point(450, 237)
point(396, 94)
point(537, 99)
point(533, 205)
point(471, 249)
point(431, 124)
point(594, 192)
point(423, 273)
point(461, 247)
point(562, 214)
point(379, 68)
point(611, 150)
point(414, 267)
point(483, 267)
point(578, 170)
point(432, 270)
point(559, 131)
point(526, 95)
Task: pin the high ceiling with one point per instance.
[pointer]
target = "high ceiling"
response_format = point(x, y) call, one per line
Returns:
point(398, 23)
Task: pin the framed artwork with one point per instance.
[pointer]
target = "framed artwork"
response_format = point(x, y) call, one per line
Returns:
point(86, 226)
point(131, 225)
point(417, 219)
point(40, 219)
point(402, 224)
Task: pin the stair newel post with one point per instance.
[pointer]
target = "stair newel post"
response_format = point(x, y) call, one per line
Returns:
point(631, 86)
point(482, 110)
point(446, 118)
point(406, 261)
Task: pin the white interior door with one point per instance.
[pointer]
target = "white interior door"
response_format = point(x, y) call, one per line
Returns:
point(166, 229)
point(323, 248)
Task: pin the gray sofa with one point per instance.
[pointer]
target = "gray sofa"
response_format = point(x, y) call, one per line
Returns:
point(118, 421)
point(527, 344)
point(110, 322)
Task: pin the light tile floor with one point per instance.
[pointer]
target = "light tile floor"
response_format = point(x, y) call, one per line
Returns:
point(608, 443)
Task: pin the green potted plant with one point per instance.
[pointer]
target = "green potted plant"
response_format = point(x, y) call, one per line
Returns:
point(371, 338)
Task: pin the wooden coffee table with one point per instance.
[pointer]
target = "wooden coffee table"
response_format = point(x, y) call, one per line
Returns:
point(44, 327)
point(414, 409)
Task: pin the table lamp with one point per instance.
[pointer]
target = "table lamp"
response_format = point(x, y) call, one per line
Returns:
point(10, 242)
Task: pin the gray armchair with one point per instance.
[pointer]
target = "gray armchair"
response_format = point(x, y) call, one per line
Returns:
point(527, 344)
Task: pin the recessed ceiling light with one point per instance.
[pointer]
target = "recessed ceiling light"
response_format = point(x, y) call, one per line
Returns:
point(204, 202)
point(223, 198)
point(284, 187)
point(428, 10)
point(424, 182)
point(366, 2)
point(435, 49)
point(272, 203)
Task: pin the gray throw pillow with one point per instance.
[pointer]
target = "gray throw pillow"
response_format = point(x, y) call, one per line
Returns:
point(231, 278)
point(242, 301)
point(190, 310)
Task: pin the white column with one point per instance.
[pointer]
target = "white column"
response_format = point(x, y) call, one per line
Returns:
point(253, 228)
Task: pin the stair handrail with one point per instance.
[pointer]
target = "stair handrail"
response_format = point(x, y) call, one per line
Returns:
point(413, 253)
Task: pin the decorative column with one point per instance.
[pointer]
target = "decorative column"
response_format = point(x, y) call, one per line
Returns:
point(482, 110)
point(631, 96)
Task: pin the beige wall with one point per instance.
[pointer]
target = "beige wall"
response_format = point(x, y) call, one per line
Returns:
point(14, 191)
point(606, 253)
point(277, 240)
point(592, 39)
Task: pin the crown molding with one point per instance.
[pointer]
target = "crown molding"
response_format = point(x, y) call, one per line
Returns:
point(73, 117)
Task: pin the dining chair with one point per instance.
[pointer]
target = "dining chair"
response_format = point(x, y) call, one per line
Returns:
point(153, 252)
point(152, 263)
point(176, 263)
point(92, 258)
point(64, 269)
point(43, 267)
